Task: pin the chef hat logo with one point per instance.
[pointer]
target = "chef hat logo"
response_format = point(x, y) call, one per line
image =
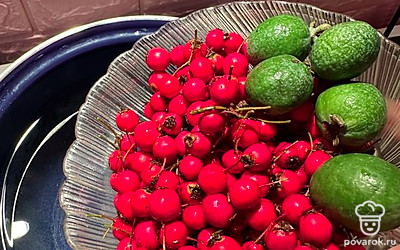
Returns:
point(369, 214)
point(370, 209)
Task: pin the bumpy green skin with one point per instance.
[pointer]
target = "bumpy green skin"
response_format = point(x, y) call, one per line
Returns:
point(345, 181)
point(279, 35)
point(361, 107)
point(282, 82)
point(345, 50)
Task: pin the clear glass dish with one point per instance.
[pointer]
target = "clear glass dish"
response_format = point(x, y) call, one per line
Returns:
point(87, 188)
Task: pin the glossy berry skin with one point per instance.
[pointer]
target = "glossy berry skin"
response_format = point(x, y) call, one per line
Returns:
point(172, 124)
point(224, 90)
point(226, 243)
point(193, 120)
point(121, 229)
point(314, 161)
point(168, 179)
point(231, 162)
point(294, 206)
point(115, 161)
point(127, 120)
point(145, 234)
point(123, 205)
point(158, 59)
point(178, 105)
point(165, 205)
point(195, 90)
point(212, 179)
point(245, 194)
point(281, 239)
point(232, 42)
point(218, 63)
point(203, 238)
point(289, 184)
point(315, 229)
point(190, 192)
point(148, 111)
point(215, 40)
point(302, 175)
point(267, 131)
point(155, 78)
point(212, 122)
point(202, 68)
point(158, 117)
point(257, 157)
point(190, 167)
point(178, 56)
point(261, 178)
point(187, 248)
point(140, 203)
point(303, 149)
point(196, 144)
point(148, 174)
point(323, 144)
point(312, 128)
point(242, 88)
point(127, 244)
point(138, 161)
point(146, 134)
point(217, 210)
point(169, 87)
point(288, 158)
point(238, 62)
point(261, 216)
point(175, 234)
point(194, 218)
point(250, 245)
point(158, 103)
point(127, 144)
point(124, 181)
point(196, 48)
point(247, 133)
point(183, 75)
point(164, 147)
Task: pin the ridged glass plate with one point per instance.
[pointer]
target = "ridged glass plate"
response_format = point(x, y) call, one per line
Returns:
point(87, 188)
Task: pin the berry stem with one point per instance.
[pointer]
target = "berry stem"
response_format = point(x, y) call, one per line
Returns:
point(252, 108)
point(108, 126)
point(284, 150)
point(241, 45)
point(269, 227)
point(273, 183)
point(117, 228)
point(202, 110)
point(108, 141)
point(311, 142)
point(99, 216)
point(230, 73)
point(320, 28)
point(106, 232)
point(127, 152)
point(164, 238)
point(192, 239)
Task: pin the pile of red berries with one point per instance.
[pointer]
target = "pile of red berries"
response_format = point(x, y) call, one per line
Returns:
point(206, 171)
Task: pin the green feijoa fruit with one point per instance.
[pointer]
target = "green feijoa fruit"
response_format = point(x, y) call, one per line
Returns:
point(279, 35)
point(351, 114)
point(345, 50)
point(282, 82)
point(346, 181)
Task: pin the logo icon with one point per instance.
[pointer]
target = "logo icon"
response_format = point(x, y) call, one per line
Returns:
point(370, 214)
